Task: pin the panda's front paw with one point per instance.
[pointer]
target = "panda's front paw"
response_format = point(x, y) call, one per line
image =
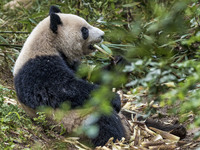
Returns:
point(116, 103)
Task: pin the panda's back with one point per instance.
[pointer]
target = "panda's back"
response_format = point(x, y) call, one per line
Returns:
point(46, 81)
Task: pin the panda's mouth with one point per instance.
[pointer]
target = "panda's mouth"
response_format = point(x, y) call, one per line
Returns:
point(91, 47)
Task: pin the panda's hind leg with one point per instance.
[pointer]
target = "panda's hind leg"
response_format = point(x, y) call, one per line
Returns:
point(109, 126)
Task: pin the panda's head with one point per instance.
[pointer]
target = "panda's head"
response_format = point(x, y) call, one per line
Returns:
point(59, 33)
point(72, 34)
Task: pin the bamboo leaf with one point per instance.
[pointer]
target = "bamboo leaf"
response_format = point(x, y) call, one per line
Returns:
point(108, 50)
point(131, 4)
point(3, 40)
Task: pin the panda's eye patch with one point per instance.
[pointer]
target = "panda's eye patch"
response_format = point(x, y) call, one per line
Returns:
point(85, 32)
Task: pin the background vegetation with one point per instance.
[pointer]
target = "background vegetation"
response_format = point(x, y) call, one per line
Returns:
point(159, 39)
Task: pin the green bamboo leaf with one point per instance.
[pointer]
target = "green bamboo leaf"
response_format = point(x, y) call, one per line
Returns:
point(131, 4)
point(32, 21)
point(3, 40)
point(108, 50)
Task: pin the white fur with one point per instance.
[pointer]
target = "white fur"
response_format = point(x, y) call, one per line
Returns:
point(42, 41)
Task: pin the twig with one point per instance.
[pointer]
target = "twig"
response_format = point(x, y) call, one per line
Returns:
point(17, 32)
point(8, 45)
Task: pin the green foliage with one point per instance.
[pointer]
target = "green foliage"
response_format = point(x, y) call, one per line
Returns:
point(11, 118)
point(17, 131)
point(162, 44)
point(159, 38)
point(41, 119)
point(188, 91)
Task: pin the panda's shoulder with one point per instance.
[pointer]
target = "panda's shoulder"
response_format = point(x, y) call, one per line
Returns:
point(47, 63)
point(51, 67)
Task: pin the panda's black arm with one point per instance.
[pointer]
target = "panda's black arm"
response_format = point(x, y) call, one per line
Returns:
point(116, 103)
point(117, 64)
point(77, 91)
point(118, 61)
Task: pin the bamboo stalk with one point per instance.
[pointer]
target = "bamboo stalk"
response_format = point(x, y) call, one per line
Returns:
point(103, 51)
point(166, 135)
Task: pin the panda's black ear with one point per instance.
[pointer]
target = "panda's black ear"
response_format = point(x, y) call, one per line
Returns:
point(54, 9)
point(54, 22)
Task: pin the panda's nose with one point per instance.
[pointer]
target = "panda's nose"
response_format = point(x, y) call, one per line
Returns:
point(97, 33)
point(102, 34)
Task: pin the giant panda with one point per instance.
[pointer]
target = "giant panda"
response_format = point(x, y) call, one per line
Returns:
point(44, 72)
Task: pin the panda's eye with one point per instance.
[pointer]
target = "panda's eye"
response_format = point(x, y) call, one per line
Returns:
point(85, 32)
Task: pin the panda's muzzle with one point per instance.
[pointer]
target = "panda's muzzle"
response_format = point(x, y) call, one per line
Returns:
point(99, 40)
point(95, 36)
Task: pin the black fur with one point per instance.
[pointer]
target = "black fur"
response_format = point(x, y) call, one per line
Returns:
point(52, 82)
point(54, 22)
point(49, 81)
point(85, 32)
point(109, 126)
point(54, 9)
